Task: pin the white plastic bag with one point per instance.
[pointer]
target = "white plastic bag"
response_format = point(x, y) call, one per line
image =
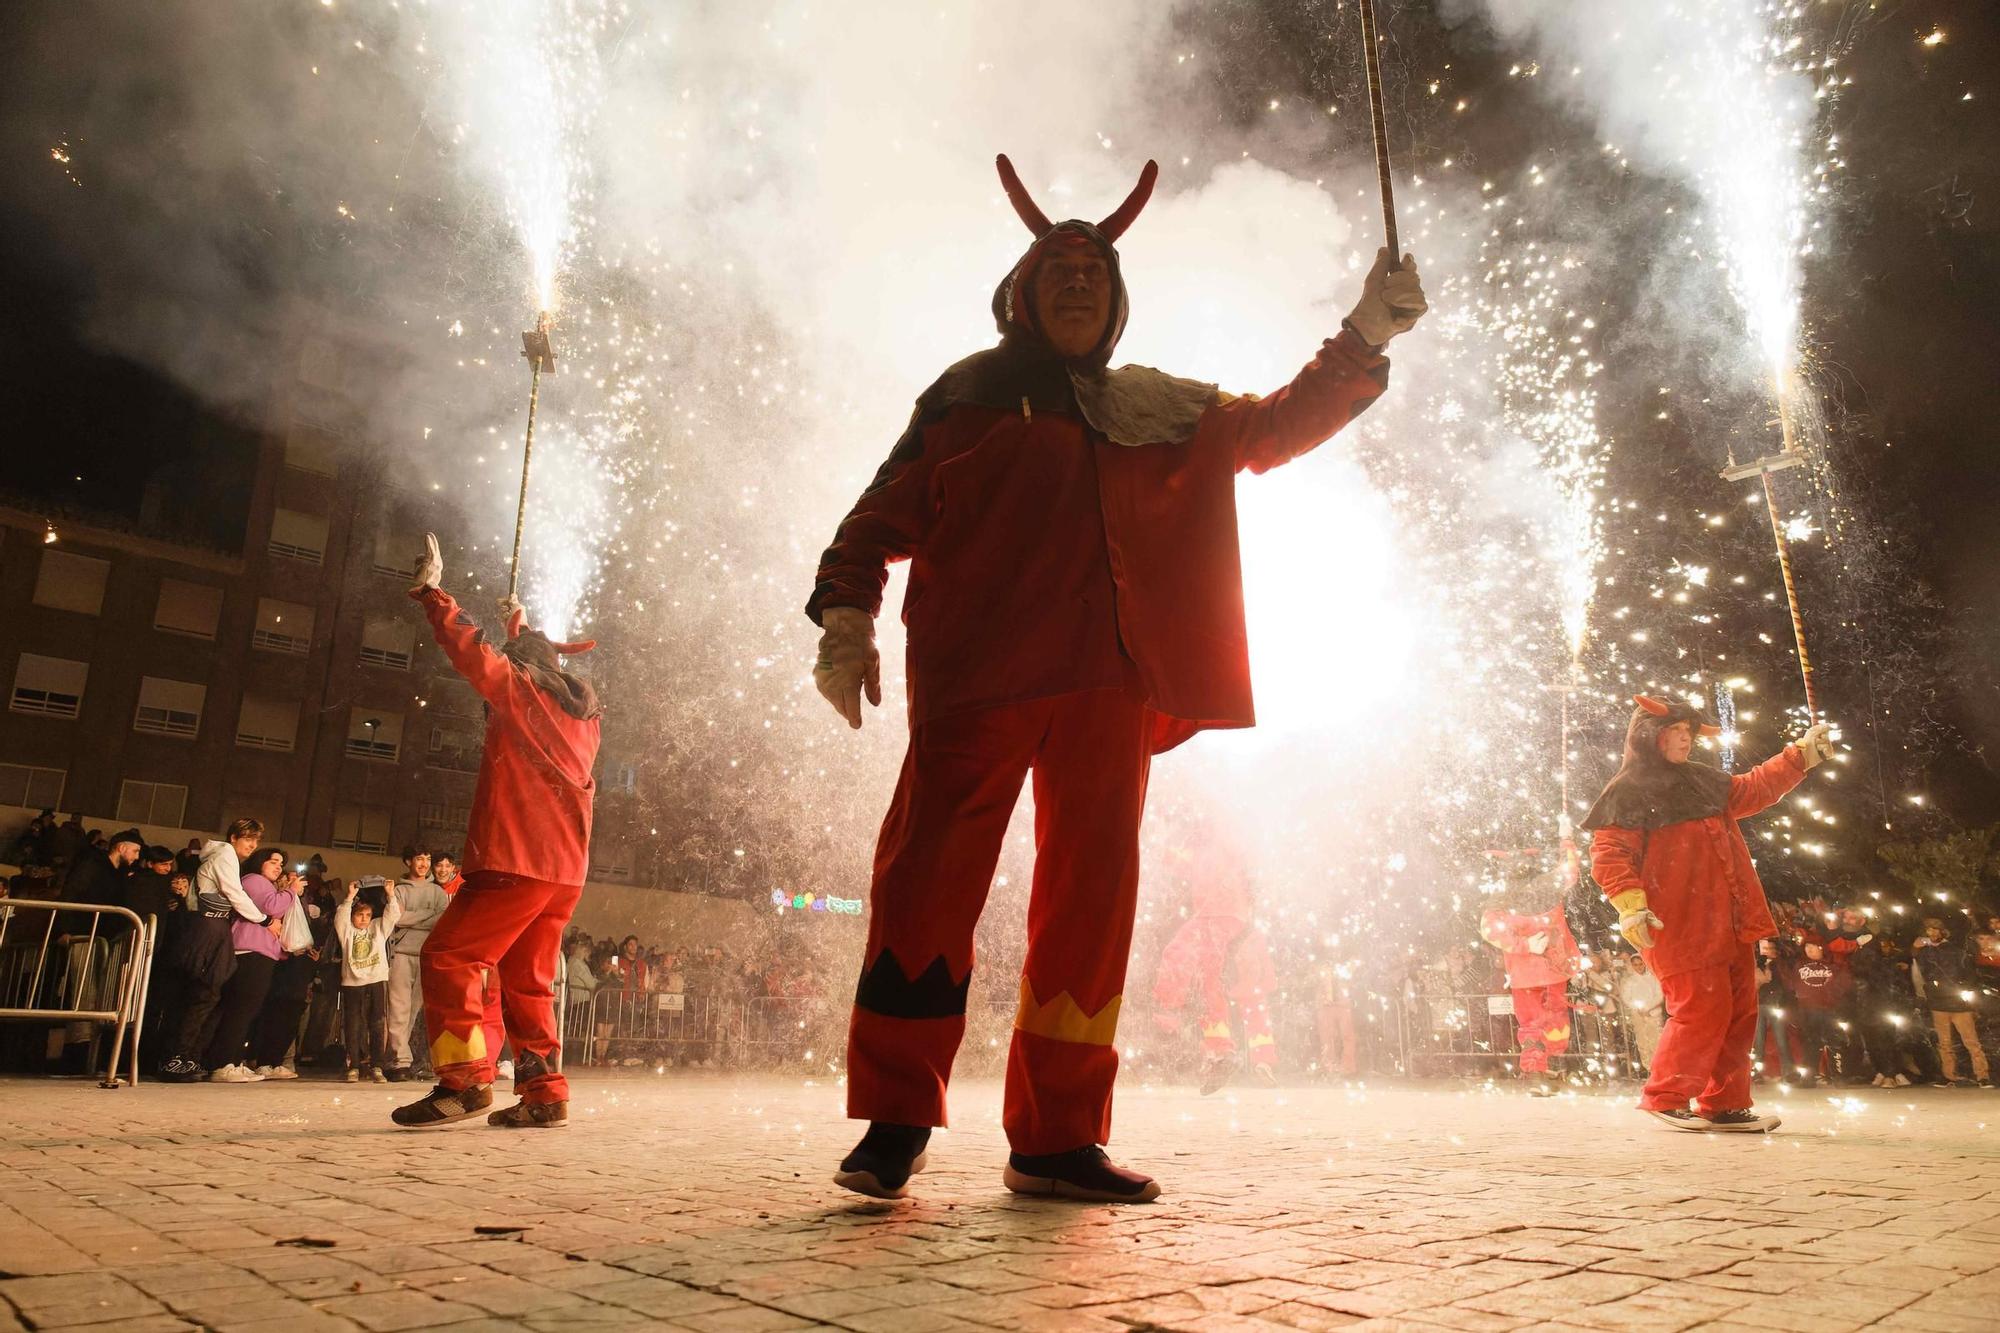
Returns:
point(298, 936)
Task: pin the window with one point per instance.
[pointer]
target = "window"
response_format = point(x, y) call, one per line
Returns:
point(35, 788)
point(361, 828)
point(611, 861)
point(267, 724)
point(310, 447)
point(71, 582)
point(388, 642)
point(383, 741)
point(296, 536)
point(396, 555)
point(169, 707)
point(151, 803)
point(444, 817)
point(188, 608)
point(282, 627)
point(454, 746)
point(51, 686)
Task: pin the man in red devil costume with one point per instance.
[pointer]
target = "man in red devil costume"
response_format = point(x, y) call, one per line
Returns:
point(1075, 607)
point(1540, 957)
point(527, 850)
point(1666, 851)
point(1219, 957)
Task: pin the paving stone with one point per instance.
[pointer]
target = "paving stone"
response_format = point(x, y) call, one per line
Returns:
point(702, 1203)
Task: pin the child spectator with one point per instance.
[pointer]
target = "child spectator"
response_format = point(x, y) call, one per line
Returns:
point(1821, 984)
point(364, 977)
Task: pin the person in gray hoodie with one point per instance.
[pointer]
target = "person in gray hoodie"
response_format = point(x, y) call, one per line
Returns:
point(422, 903)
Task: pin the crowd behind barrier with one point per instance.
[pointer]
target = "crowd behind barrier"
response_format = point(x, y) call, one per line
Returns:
point(109, 953)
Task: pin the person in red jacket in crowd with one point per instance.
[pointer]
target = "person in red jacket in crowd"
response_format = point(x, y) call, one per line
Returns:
point(1540, 956)
point(1218, 958)
point(1075, 607)
point(1667, 852)
point(1821, 983)
point(527, 851)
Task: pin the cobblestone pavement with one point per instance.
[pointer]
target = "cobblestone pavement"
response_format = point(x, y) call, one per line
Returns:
point(703, 1202)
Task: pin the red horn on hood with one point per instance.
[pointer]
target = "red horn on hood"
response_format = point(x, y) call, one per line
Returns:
point(1651, 705)
point(1017, 194)
point(1114, 226)
point(517, 620)
point(580, 646)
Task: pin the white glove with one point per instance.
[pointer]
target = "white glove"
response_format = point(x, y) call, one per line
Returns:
point(1641, 928)
point(430, 564)
point(510, 604)
point(848, 662)
point(1863, 939)
point(1538, 942)
point(1391, 303)
point(1816, 745)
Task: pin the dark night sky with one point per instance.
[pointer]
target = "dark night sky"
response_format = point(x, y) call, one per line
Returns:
point(1903, 308)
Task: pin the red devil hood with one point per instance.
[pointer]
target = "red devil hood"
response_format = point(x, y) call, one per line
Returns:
point(539, 658)
point(1132, 405)
point(1648, 792)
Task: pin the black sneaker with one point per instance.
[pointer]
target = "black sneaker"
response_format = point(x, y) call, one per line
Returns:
point(443, 1106)
point(531, 1115)
point(396, 1073)
point(1678, 1116)
point(1741, 1122)
point(1215, 1072)
point(1081, 1173)
point(883, 1162)
point(181, 1070)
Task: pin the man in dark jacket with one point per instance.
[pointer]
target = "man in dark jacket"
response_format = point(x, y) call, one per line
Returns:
point(1944, 968)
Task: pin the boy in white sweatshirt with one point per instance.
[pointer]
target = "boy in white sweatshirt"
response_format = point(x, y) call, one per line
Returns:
point(364, 978)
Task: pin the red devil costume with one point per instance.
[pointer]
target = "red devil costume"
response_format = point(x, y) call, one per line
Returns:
point(1219, 958)
point(1540, 957)
point(1075, 607)
point(1668, 854)
point(527, 851)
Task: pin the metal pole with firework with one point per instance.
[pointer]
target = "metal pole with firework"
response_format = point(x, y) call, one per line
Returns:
point(1372, 61)
point(540, 351)
point(1788, 456)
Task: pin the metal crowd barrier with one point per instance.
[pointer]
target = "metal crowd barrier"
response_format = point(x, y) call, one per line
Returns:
point(79, 976)
point(1460, 1034)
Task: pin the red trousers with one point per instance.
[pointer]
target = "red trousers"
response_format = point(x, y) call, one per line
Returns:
point(513, 926)
point(1541, 1024)
point(1704, 1053)
point(1090, 754)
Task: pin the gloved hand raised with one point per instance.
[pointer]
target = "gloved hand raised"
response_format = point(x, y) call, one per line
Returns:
point(1816, 745)
point(848, 663)
point(1636, 921)
point(430, 564)
point(1391, 303)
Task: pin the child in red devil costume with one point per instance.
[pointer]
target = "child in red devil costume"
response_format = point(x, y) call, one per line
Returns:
point(1668, 854)
point(1219, 958)
point(1075, 607)
point(527, 850)
point(1540, 957)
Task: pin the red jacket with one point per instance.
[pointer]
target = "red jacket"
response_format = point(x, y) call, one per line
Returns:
point(1509, 932)
point(1046, 560)
point(1697, 874)
point(531, 809)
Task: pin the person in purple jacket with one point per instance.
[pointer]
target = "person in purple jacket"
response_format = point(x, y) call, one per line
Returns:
point(257, 953)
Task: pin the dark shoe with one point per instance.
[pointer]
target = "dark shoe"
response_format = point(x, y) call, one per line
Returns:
point(1081, 1173)
point(1215, 1072)
point(1677, 1116)
point(1541, 1087)
point(531, 1115)
point(443, 1106)
point(883, 1162)
point(397, 1073)
point(1741, 1122)
point(180, 1070)
point(1267, 1076)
